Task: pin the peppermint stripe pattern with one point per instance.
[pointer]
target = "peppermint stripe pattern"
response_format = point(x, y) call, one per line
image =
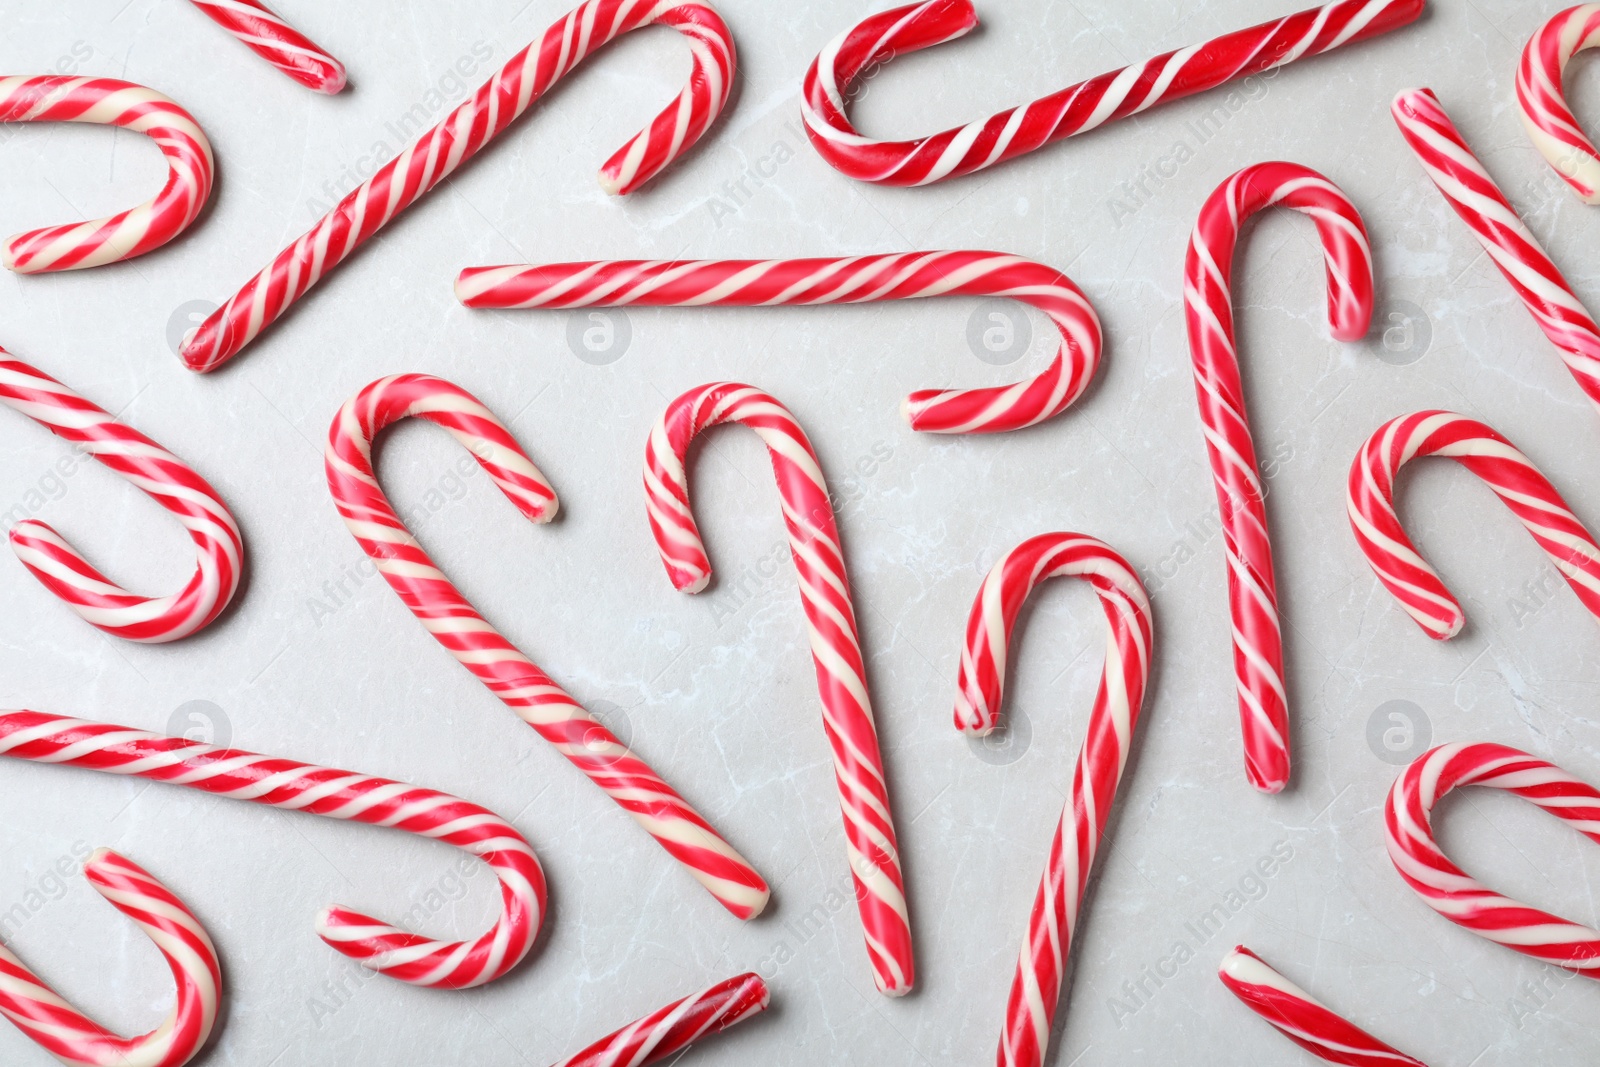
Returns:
point(141, 229)
point(1542, 105)
point(1459, 897)
point(293, 786)
point(479, 647)
point(274, 40)
point(838, 280)
point(1208, 299)
point(1534, 277)
point(1302, 1018)
point(478, 120)
point(1041, 966)
point(830, 621)
point(865, 47)
point(170, 482)
point(1512, 476)
point(71, 1037)
point(674, 1028)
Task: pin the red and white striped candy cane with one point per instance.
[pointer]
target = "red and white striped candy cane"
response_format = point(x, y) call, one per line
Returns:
point(830, 621)
point(265, 33)
point(1512, 476)
point(474, 123)
point(1088, 105)
point(1036, 989)
point(73, 1038)
point(1534, 277)
point(1208, 299)
point(674, 1028)
point(167, 480)
point(1302, 1018)
point(108, 102)
point(1459, 897)
point(1542, 105)
point(496, 662)
point(336, 794)
point(837, 280)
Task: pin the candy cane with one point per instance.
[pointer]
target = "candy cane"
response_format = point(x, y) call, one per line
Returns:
point(1512, 476)
point(1036, 989)
point(839, 280)
point(336, 794)
point(70, 1036)
point(167, 480)
point(862, 49)
point(1302, 1018)
point(830, 621)
point(277, 42)
point(474, 123)
point(107, 102)
point(1449, 890)
point(478, 646)
point(1542, 105)
point(1208, 297)
point(680, 1024)
point(1535, 278)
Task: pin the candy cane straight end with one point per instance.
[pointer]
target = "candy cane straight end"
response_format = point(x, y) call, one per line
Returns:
point(672, 1029)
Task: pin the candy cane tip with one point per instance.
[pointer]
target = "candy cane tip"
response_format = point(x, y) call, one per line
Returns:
point(99, 857)
point(1269, 786)
point(333, 84)
point(685, 582)
point(610, 184)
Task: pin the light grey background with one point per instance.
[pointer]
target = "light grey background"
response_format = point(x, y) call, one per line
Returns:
point(718, 691)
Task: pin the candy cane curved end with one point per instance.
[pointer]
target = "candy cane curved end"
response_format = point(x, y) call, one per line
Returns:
point(838, 280)
point(1230, 448)
point(44, 1016)
point(859, 52)
point(166, 479)
point(1457, 896)
point(1510, 474)
point(870, 842)
point(141, 229)
point(1542, 105)
point(1301, 1017)
point(266, 34)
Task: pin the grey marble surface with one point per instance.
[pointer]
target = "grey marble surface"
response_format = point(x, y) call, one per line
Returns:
point(323, 664)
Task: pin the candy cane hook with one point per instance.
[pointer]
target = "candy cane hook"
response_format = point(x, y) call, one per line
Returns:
point(862, 49)
point(838, 280)
point(274, 40)
point(1036, 989)
point(141, 229)
point(1542, 105)
point(830, 621)
point(1512, 476)
point(336, 794)
point(1534, 277)
point(166, 479)
point(1302, 1018)
point(1208, 298)
point(1459, 897)
point(672, 1029)
point(493, 660)
point(474, 123)
point(70, 1036)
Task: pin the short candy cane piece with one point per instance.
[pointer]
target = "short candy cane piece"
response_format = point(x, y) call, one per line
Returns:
point(493, 660)
point(1036, 989)
point(277, 42)
point(107, 102)
point(64, 1032)
point(837, 280)
point(865, 47)
point(1512, 476)
point(335, 794)
point(1208, 298)
point(674, 1028)
point(170, 482)
point(830, 620)
point(1533, 275)
point(1542, 105)
point(1302, 1018)
point(1449, 890)
point(478, 120)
